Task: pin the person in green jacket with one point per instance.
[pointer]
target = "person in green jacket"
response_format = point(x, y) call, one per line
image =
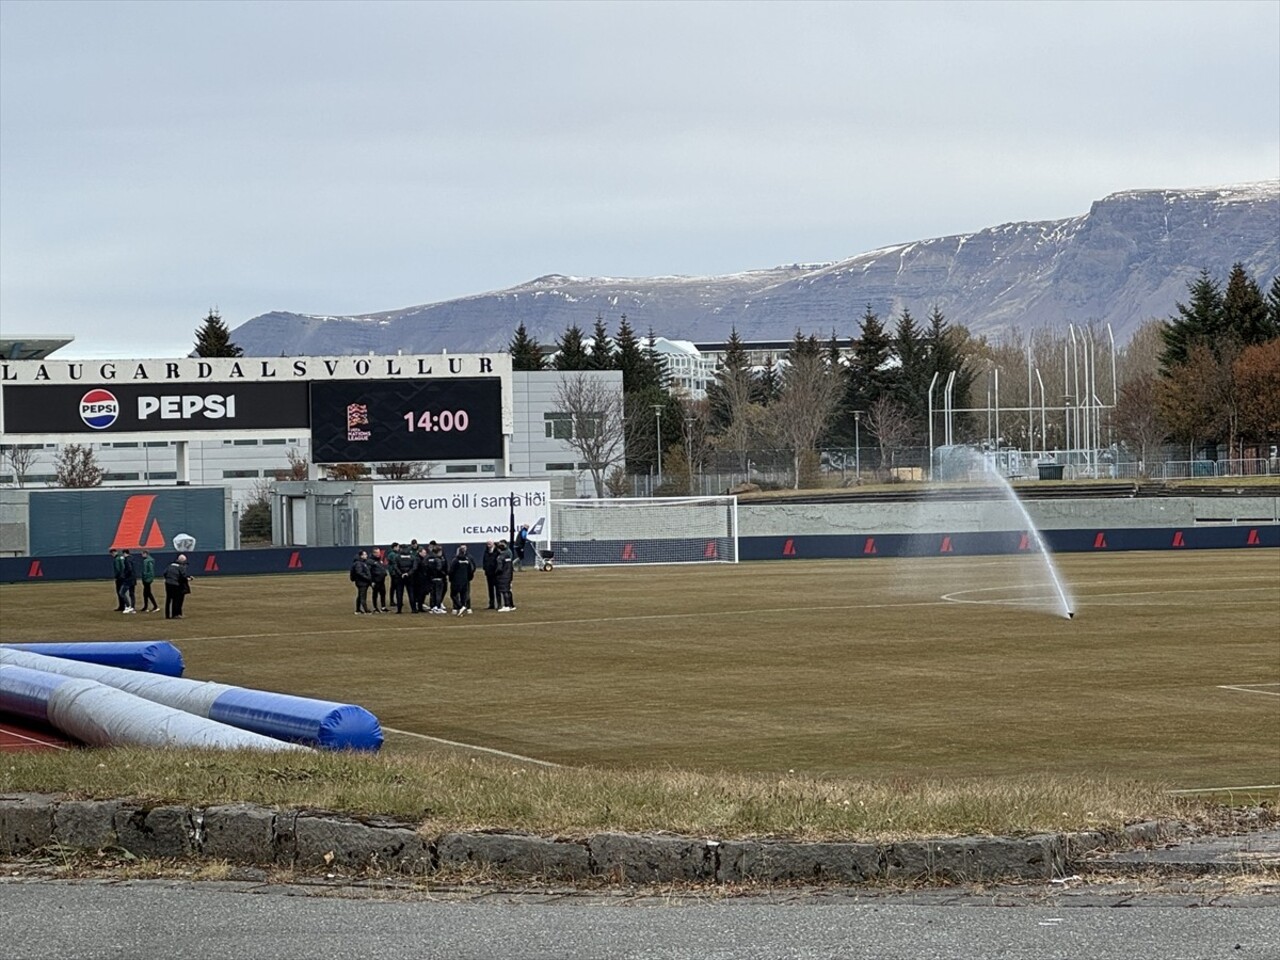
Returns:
point(148, 575)
point(117, 571)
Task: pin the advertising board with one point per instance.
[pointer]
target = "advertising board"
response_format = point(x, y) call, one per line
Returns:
point(118, 408)
point(360, 421)
point(65, 522)
point(460, 511)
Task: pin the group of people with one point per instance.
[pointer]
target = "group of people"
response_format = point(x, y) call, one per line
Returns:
point(177, 583)
point(419, 575)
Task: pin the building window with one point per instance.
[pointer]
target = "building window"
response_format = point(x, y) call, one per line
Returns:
point(156, 443)
point(245, 443)
point(487, 468)
point(273, 443)
point(120, 476)
point(558, 467)
point(560, 426)
point(120, 446)
point(460, 468)
point(163, 475)
point(239, 474)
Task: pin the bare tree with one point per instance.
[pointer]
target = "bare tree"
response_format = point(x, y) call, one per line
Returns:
point(347, 471)
point(21, 457)
point(1137, 417)
point(415, 470)
point(892, 426)
point(811, 394)
point(298, 466)
point(596, 428)
point(76, 466)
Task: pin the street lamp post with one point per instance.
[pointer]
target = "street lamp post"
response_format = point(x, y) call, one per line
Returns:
point(857, 446)
point(657, 419)
point(688, 440)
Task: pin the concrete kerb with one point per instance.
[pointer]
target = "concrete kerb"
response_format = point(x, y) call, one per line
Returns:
point(249, 834)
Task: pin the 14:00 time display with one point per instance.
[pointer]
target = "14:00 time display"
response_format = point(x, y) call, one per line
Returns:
point(444, 422)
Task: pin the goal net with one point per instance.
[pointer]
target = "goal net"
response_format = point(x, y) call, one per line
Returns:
point(657, 530)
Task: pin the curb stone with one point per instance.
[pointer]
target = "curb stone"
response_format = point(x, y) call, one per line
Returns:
point(249, 834)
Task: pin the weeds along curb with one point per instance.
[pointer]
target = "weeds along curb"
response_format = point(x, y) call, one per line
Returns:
point(254, 835)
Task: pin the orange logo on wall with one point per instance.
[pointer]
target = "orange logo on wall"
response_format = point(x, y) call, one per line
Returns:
point(133, 524)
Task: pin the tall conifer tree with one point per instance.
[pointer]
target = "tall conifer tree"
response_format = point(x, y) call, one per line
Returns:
point(571, 351)
point(526, 353)
point(213, 339)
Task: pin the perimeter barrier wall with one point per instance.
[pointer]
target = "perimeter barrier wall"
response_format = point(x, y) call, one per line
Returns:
point(829, 531)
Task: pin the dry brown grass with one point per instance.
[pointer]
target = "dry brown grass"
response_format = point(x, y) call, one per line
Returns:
point(802, 698)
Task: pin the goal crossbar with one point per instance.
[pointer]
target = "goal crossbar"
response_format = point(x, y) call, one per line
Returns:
point(645, 530)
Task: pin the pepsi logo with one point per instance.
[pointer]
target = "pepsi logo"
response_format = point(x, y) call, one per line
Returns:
point(99, 408)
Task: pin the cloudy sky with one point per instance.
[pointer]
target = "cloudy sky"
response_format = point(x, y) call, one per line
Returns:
point(158, 159)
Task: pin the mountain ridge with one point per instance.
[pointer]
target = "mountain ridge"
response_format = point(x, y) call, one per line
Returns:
point(1127, 260)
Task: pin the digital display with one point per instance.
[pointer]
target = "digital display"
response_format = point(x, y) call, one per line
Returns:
point(362, 421)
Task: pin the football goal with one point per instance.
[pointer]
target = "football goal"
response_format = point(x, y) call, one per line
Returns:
point(657, 530)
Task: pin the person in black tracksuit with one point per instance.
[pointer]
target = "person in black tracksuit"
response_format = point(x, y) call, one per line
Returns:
point(378, 571)
point(438, 574)
point(490, 563)
point(505, 572)
point(361, 577)
point(176, 584)
point(461, 570)
point(402, 579)
point(419, 582)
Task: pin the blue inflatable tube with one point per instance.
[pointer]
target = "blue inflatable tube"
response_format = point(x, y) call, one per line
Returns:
point(102, 716)
point(147, 656)
point(315, 723)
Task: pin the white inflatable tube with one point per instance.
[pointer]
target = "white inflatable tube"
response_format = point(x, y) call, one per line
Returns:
point(315, 723)
point(103, 716)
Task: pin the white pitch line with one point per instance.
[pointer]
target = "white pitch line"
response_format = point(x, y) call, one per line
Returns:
point(472, 746)
point(1252, 688)
point(29, 739)
point(1256, 786)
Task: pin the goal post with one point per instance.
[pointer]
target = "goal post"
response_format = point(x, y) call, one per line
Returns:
point(645, 531)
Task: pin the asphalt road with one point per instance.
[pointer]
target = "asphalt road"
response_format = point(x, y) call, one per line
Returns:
point(206, 920)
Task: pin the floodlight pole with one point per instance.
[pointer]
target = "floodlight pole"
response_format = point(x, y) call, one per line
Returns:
point(932, 383)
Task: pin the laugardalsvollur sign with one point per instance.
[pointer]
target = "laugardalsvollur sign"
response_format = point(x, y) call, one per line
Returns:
point(225, 397)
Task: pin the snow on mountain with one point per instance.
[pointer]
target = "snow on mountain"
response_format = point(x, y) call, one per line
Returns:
point(1127, 260)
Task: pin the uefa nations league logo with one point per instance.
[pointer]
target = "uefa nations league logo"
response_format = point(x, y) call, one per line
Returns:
point(99, 408)
point(357, 418)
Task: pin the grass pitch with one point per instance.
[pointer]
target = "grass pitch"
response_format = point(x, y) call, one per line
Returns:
point(953, 668)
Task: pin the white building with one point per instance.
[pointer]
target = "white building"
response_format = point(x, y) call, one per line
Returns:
point(539, 447)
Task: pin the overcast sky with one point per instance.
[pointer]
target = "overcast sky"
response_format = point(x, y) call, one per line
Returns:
point(157, 159)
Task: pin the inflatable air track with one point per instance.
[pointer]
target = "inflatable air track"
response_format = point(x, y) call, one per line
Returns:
point(147, 656)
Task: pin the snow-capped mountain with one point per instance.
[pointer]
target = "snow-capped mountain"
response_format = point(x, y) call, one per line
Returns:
point(1127, 260)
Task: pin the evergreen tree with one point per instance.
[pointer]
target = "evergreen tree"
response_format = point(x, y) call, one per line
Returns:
point(213, 339)
point(768, 383)
point(1244, 311)
point(731, 385)
point(654, 367)
point(630, 357)
point(571, 352)
point(943, 347)
point(1199, 322)
point(868, 376)
point(1273, 305)
point(912, 387)
point(601, 347)
point(526, 353)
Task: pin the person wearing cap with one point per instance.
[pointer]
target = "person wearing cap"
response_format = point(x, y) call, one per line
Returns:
point(177, 584)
